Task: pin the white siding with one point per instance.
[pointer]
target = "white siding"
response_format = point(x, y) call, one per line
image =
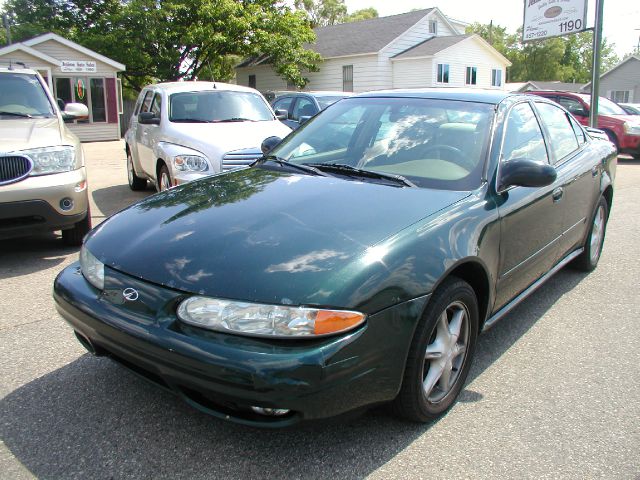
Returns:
point(266, 78)
point(29, 60)
point(62, 52)
point(414, 73)
point(95, 132)
point(417, 34)
point(469, 53)
point(625, 78)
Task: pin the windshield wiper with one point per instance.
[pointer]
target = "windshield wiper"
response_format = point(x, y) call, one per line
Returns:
point(284, 163)
point(359, 172)
point(190, 120)
point(15, 114)
point(234, 119)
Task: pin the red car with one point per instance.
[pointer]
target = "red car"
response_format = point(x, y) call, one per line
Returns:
point(621, 128)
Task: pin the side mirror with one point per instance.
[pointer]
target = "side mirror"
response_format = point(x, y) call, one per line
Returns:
point(304, 119)
point(74, 111)
point(282, 114)
point(526, 173)
point(269, 144)
point(581, 113)
point(148, 118)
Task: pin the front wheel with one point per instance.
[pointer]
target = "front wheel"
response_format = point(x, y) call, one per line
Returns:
point(135, 182)
point(588, 259)
point(440, 354)
point(164, 178)
point(73, 236)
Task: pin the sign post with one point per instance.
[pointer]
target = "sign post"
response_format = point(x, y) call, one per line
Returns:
point(595, 69)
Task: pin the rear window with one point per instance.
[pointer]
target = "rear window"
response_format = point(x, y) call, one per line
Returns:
point(22, 95)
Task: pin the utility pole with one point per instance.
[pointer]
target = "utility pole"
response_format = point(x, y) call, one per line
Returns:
point(5, 22)
point(595, 70)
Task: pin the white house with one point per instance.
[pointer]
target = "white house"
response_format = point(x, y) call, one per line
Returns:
point(423, 48)
point(622, 82)
point(75, 74)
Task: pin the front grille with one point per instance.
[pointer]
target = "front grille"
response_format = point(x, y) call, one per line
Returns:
point(14, 168)
point(239, 158)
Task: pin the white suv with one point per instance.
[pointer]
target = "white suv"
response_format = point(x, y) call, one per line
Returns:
point(181, 131)
point(43, 180)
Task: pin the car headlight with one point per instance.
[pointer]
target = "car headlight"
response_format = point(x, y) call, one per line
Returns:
point(631, 129)
point(52, 159)
point(257, 319)
point(92, 268)
point(193, 163)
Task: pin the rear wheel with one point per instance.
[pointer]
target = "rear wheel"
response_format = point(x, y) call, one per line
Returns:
point(588, 259)
point(440, 354)
point(135, 182)
point(73, 236)
point(164, 178)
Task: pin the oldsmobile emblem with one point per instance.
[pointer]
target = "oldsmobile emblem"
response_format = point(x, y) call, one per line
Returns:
point(130, 294)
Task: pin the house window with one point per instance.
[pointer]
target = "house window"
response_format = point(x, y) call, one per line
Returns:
point(98, 107)
point(496, 78)
point(347, 78)
point(620, 96)
point(471, 78)
point(252, 81)
point(443, 73)
point(433, 27)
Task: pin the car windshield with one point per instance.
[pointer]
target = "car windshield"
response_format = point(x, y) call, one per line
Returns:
point(607, 107)
point(22, 95)
point(324, 102)
point(218, 106)
point(432, 143)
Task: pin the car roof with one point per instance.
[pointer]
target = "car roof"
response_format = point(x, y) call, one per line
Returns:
point(315, 93)
point(198, 86)
point(27, 71)
point(584, 96)
point(451, 93)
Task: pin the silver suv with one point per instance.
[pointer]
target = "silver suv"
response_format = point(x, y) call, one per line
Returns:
point(181, 131)
point(43, 180)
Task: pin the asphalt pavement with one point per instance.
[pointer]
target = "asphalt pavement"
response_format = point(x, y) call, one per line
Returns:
point(553, 392)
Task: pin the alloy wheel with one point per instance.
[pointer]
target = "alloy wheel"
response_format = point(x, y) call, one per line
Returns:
point(597, 234)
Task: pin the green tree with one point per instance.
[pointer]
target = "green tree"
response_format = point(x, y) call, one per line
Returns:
point(176, 39)
point(362, 14)
point(321, 13)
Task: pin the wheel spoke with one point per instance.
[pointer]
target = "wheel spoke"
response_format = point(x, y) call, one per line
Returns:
point(458, 349)
point(456, 323)
point(433, 375)
point(434, 351)
point(445, 378)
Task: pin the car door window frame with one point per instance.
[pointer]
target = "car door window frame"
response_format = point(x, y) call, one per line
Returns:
point(289, 108)
point(504, 135)
point(295, 106)
point(547, 134)
point(144, 107)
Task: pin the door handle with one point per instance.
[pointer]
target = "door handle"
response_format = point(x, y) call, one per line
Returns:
point(557, 194)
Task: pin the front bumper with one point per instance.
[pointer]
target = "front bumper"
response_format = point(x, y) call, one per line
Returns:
point(223, 375)
point(35, 203)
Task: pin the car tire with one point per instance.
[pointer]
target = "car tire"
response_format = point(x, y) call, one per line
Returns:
point(73, 236)
point(444, 343)
point(587, 261)
point(164, 179)
point(135, 182)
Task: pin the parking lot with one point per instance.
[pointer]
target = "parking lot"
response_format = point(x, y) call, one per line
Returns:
point(553, 392)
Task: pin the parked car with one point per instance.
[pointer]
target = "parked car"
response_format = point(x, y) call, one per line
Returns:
point(295, 108)
point(43, 180)
point(631, 108)
point(621, 128)
point(180, 131)
point(330, 277)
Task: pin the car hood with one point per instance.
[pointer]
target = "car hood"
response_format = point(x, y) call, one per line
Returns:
point(26, 133)
point(259, 235)
point(216, 139)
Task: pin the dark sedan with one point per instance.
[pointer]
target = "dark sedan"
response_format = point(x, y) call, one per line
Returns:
point(354, 264)
point(295, 108)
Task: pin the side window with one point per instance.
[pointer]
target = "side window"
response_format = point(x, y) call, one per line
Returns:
point(574, 106)
point(146, 103)
point(523, 138)
point(562, 138)
point(283, 104)
point(577, 129)
point(156, 105)
point(303, 108)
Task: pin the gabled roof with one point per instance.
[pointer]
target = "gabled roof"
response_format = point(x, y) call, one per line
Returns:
point(430, 47)
point(552, 85)
point(31, 51)
point(68, 43)
point(629, 58)
point(364, 36)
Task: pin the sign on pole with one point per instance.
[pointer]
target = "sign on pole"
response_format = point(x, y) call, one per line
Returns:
point(553, 18)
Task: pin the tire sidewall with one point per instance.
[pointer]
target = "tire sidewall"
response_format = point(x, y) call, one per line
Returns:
point(587, 246)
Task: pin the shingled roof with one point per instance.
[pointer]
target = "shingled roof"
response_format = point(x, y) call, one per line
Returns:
point(356, 38)
point(431, 46)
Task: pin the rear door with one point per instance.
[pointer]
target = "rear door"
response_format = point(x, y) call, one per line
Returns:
point(530, 218)
point(578, 171)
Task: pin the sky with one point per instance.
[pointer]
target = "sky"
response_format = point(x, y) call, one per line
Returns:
point(621, 17)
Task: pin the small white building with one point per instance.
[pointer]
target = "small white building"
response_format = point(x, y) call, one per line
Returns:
point(417, 49)
point(621, 83)
point(75, 74)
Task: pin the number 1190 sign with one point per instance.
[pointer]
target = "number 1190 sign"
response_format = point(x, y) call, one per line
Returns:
point(552, 18)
